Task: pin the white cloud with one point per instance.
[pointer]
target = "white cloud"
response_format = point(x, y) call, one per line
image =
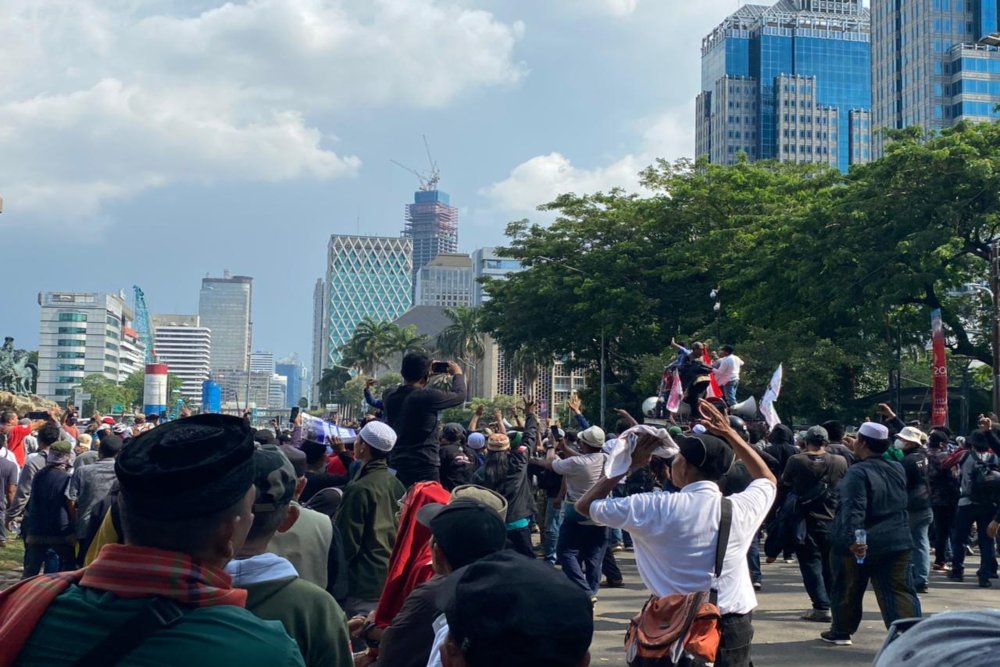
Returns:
point(620, 7)
point(103, 99)
point(542, 178)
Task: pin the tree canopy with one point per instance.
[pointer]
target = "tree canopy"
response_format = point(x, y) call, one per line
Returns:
point(815, 269)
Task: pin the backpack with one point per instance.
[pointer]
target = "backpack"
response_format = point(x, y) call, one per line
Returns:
point(985, 488)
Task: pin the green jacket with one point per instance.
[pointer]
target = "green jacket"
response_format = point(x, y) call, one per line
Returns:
point(367, 522)
point(81, 617)
point(310, 615)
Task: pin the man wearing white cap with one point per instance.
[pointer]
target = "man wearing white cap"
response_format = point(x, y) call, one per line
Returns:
point(872, 499)
point(367, 518)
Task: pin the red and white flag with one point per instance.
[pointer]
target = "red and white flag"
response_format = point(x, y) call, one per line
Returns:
point(676, 394)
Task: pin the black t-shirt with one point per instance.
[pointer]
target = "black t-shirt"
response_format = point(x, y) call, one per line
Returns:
point(412, 412)
point(456, 466)
point(408, 640)
point(805, 471)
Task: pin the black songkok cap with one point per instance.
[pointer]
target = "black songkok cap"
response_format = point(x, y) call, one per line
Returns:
point(187, 468)
point(506, 609)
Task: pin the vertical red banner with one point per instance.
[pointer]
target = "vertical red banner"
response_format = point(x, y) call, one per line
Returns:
point(939, 386)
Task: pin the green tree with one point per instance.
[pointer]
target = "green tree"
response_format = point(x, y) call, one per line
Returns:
point(406, 339)
point(303, 403)
point(463, 338)
point(369, 345)
point(352, 392)
point(104, 394)
point(330, 383)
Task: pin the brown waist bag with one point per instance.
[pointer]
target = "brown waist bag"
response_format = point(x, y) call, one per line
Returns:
point(681, 630)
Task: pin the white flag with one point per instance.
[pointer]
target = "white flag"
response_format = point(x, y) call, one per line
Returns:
point(770, 396)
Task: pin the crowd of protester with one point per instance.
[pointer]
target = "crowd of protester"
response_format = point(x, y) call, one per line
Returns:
point(202, 540)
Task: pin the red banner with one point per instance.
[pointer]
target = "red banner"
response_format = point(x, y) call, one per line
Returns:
point(939, 368)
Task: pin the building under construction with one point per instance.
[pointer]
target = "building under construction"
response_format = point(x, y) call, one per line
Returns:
point(432, 226)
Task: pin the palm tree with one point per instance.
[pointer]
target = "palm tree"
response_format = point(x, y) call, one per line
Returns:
point(330, 384)
point(368, 346)
point(407, 339)
point(527, 363)
point(463, 338)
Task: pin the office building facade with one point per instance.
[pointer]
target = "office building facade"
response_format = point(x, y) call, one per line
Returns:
point(224, 307)
point(262, 362)
point(487, 263)
point(82, 333)
point(445, 281)
point(934, 63)
point(431, 227)
point(186, 348)
point(294, 375)
point(319, 339)
point(786, 82)
point(366, 276)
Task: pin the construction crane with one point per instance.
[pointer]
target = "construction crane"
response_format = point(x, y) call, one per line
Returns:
point(143, 325)
point(427, 182)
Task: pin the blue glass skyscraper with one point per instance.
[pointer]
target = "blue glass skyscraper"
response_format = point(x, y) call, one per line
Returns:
point(934, 63)
point(791, 82)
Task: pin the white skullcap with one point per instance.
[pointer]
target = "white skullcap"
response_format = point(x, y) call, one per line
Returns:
point(477, 441)
point(378, 435)
point(874, 431)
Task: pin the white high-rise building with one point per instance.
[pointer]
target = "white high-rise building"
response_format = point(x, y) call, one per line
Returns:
point(319, 340)
point(82, 333)
point(224, 307)
point(185, 347)
point(262, 362)
point(445, 281)
point(487, 263)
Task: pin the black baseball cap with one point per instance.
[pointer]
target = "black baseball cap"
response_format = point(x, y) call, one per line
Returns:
point(467, 530)
point(506, 609)
point(709, 454)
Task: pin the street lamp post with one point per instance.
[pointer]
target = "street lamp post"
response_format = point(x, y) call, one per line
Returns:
point(717, 307)
point(994, 293)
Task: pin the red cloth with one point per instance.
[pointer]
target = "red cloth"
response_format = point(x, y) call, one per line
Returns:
point(335, 466)
point(410, 563)
point(15, 442)
point(128, 572)
point(714, 391)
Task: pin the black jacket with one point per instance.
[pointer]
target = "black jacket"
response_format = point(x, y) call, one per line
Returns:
point(412, 412)
point(515, 485)
point(917, 488)
point(873, 497)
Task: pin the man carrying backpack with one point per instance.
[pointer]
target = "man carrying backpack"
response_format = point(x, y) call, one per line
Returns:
point(976, 505)
point(813, 476)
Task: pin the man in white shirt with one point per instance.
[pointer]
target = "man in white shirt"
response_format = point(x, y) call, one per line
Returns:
point(581, 544)
point(675, 534)
point(727, 373)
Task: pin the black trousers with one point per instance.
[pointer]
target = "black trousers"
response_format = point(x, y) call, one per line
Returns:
point(737, 636)
point(519, 540)
point(34, 558)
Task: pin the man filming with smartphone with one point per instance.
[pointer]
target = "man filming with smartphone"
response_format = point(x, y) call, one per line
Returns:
point(412, 408)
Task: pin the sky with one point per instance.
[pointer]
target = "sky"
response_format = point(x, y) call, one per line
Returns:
point(154, 142)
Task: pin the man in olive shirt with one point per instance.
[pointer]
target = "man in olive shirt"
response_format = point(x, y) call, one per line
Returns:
point(813, 476)
point(367, 518)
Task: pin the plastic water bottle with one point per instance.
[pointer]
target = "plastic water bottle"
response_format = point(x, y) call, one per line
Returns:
point(860, 537)
point(51, 562)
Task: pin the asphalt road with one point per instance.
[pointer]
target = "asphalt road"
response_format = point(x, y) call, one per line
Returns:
point(780, 637)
